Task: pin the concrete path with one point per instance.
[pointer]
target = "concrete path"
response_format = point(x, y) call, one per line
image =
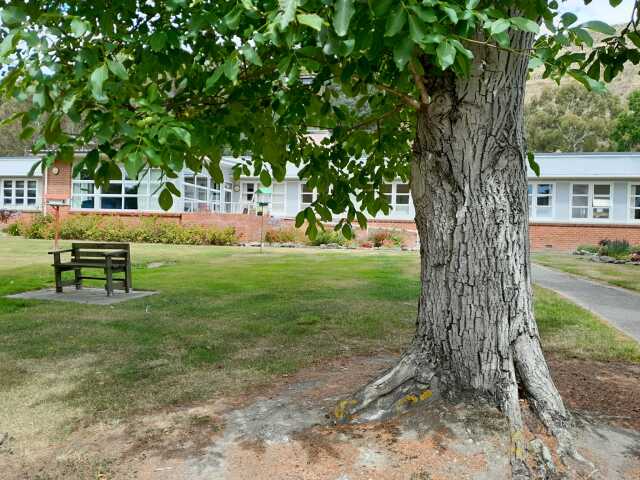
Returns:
point(88, 296)
point(619, 307)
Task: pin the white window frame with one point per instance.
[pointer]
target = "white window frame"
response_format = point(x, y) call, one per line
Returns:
point(192, 203)
point(533, 214)
point(631, 201)
point(590, 217)
point(281, 196)
point(25, 197)
point(245, 203)
point(313, 193)
point(148, 181)
point(398, 208)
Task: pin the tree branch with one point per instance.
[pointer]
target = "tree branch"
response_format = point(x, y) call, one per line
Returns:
point(406, 98)
point(424, 94)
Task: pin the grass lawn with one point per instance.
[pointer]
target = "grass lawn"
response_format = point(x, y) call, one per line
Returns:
point(625, 276)
point(225, 319)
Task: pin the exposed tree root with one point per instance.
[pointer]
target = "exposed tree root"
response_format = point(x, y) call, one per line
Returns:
point(410, 382)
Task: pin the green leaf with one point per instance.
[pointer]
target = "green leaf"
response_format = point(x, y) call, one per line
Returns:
point(584, 36)
point(362, 220)
point(232, 19)
point(117, 68)
point(133, 163)
point(216, 172)
point(231, 68)
point(265, 178)
point(499, 26)
point(396, 21)
point(288, 13)
point(300, 219)
point(568, 19)
point(427, 15)
point(533, 164)
point(7, 44)
point(157, 41)
point(342, 18)
point(251, 54)
point(165, 199)
point(380, 7)
point(446, 55)
point(598, 26)
point(525, 24)
point(97, 79)
point(79, 27)
point(183, 134)
point(402, 52)
point(451, 13)
point(12, 16)
point(416, 30)
point(213, 79)
point(310, 20)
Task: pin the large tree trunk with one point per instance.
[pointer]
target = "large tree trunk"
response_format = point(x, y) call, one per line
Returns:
point(476, 332)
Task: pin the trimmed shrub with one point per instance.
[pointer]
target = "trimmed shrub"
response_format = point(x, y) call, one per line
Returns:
point(588, 248)
point(114, 229)
point(614, 248)
point(14, 229)
point(386, 238)
point(284, 235)
point(329, 236)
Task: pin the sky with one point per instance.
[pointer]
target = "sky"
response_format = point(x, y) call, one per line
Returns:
point(600, 10)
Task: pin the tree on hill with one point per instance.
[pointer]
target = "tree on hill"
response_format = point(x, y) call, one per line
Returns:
point(571, 119)
point(10, 141)
point(626, 131)
point(170, 83)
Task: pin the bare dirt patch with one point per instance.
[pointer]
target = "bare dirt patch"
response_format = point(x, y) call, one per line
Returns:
point(283, 433)
point(610, 391)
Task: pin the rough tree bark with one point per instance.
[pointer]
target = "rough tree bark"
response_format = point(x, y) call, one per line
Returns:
point(476, 332)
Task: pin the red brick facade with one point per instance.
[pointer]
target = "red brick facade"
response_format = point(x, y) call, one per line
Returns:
point(567, 236)
point(556, 236)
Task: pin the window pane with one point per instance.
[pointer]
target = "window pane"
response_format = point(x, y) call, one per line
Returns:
point(579, 212)
point(543, 201)
point(601, 201)
point(386, 187)
point(111, 203)
point(601, 189)
point(580, 201)
point(402, 199)
point(636, 214)
point(113, 189)
point(189, 192)
point(600, 213)
point(131, 203)
point(202, 181)
point(189, 179)
point(19, 201)
point(131, 189)
point(544, 189)
point(307, 198)
point(580, 189)
point(635, 190)
point(88, 203)
point(31, 184)
point(202, 194)
point(402, 188)
point(637, 202)
point(7, 184)
point(19, 183)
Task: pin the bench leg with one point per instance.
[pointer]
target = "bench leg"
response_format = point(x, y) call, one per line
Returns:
point(127, 278)
point(78, 278)
point(108, 273)
point(58, 275)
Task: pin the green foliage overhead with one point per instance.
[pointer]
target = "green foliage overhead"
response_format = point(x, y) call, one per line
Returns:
point(571, 119)
point(626, 133)
point(171, 83)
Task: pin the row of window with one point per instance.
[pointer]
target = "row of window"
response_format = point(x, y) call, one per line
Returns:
point(19, 193)
point(588, 201)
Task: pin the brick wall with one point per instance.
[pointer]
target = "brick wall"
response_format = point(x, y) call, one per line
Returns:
point(567, 236)
point(59, 185)
point(247, 226)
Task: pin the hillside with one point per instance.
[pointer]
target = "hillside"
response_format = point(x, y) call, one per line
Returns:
point(621, 86)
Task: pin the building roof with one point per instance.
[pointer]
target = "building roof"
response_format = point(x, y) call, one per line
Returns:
point(587, 165)
point(18, 166)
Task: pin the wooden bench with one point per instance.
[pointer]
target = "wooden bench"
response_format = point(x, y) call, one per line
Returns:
point(109, 257)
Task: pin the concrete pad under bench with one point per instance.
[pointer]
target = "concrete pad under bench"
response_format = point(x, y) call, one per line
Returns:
point(87, 296)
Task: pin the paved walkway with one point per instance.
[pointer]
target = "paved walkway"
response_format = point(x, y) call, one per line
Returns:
point(88, 296)
point(619, 307)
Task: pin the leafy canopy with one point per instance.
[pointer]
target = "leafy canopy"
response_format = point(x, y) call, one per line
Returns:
point(169, 83)
point(626, 132)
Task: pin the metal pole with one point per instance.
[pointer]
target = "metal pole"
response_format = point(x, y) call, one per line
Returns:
point(261, 228)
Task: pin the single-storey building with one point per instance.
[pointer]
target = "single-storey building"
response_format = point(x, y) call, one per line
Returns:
point(578, 198)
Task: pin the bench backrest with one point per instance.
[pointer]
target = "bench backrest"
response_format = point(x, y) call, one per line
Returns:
point(94, 250)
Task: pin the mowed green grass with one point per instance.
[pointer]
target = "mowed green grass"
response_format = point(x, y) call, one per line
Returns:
point(625, 276)
point(225, 321)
